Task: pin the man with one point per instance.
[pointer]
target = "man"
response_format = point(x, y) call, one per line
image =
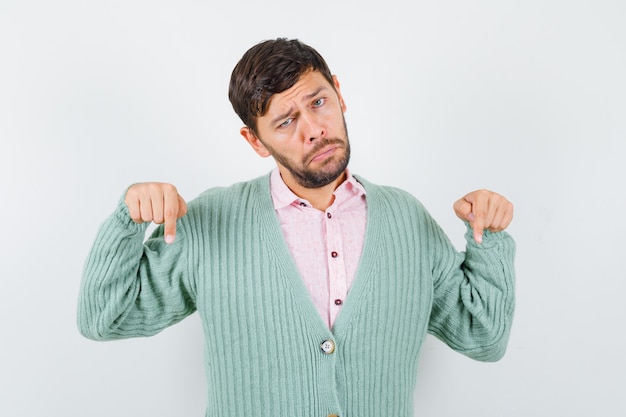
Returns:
point(315, 288)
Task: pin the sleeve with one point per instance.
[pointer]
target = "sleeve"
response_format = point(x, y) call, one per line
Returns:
point(474, 295)
point(130, 288)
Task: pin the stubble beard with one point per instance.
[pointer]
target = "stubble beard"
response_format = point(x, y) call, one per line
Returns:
point(330, 170)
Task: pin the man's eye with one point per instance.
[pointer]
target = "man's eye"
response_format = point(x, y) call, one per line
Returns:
point(286, 123)
point(319, 102)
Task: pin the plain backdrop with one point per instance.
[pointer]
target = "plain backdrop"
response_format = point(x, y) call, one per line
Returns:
point(527, 98)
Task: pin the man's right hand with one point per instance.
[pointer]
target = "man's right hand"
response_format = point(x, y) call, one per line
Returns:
point(156, 202)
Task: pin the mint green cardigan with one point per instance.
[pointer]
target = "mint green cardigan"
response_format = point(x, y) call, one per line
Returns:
point(263, 334)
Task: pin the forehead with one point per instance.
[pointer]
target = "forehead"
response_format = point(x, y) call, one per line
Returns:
point(309, 84)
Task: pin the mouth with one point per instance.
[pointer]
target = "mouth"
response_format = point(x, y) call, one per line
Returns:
point(324, 150)
point(325, 153)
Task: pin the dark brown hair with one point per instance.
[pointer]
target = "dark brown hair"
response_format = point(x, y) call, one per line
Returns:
point(268, 68)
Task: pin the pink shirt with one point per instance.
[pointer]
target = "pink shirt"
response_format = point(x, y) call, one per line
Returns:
point(325, 246)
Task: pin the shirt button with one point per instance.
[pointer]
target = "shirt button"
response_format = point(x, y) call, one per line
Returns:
point(334, 254)
point(328, 346)
point(338, 302)
point(329, 215)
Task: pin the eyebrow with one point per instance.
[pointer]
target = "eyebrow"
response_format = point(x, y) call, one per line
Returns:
point(305, 98)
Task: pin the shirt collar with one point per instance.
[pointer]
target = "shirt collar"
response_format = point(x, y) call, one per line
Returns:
point(282, 196)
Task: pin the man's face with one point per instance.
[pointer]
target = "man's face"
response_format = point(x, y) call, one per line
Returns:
point(305, 131)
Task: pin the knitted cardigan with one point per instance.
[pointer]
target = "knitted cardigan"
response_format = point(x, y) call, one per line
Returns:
point(264, 337)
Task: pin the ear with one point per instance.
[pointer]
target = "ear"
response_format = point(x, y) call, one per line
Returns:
point(254, 141)
point(338, 89)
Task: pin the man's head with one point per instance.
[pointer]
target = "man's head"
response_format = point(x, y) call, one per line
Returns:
point(293, 111)
point(268, 68)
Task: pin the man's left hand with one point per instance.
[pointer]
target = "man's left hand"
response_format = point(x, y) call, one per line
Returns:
point(484, 210)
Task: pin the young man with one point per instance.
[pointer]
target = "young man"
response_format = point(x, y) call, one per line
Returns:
point(315, 288)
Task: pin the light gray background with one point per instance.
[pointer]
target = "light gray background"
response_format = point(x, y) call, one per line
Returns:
point(527, 98)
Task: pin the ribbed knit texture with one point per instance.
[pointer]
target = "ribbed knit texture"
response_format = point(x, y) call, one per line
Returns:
point(263, 358)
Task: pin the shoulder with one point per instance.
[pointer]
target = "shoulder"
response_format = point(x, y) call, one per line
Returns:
point(228, 206)
point(389, 195)
point(236, 193)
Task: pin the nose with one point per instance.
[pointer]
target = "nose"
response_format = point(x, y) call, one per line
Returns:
point(314, 129)
point(313, 138)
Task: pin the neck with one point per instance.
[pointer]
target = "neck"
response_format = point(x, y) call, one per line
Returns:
point(320, 198)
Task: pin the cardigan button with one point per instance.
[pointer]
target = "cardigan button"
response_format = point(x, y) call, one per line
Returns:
point(328, 346)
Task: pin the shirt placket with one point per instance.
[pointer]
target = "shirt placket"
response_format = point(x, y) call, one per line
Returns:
point(337, 280)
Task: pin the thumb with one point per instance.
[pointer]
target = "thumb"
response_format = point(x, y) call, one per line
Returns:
point(463, 210)
point(182, 207)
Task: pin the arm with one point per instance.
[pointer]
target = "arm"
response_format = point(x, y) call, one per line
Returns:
point(474, 291)
point(130, 288)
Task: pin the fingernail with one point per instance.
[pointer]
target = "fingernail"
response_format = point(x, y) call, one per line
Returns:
point(479, 238)
point(169, 239)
